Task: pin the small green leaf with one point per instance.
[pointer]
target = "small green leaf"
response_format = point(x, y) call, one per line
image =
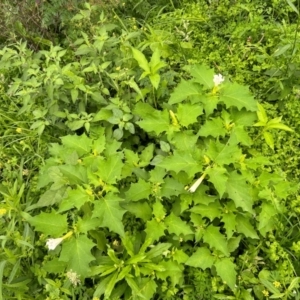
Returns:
point(293, 7)
point(181, 161)
point(184, 91)
point(77, 252)
point(269, 139)
point(75, 198)
point(155, 79)
point(218, 177)
point(110, 170)
point(155, 229)
point(229, 223)
point(158, 250)
point(278, 126)
point(158, 122)
point(237, 95)
point(141, 59)
point(211, 211)
point(139, 209)
point(244, 226)
point(202, 258)
point(110, 213)
point(187, 113)
point(261, 114)
point(226, 270)
point(215, 239)
point(177, 226)
point(239, 191)
point(203, 75)
point(138, 191)
point(51, 224)
point(81, 144)
point(213, 127)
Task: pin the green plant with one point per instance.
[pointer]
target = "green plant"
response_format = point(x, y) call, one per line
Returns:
point(116, 198)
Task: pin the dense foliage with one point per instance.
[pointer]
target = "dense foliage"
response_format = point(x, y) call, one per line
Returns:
point(149, 150)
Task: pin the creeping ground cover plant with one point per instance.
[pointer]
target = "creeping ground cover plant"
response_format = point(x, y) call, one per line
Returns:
point(182, 195)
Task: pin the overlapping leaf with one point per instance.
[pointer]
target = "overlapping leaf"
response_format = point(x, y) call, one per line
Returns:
point(110, 213)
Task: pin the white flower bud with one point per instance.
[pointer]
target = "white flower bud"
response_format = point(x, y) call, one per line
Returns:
point(53, 243)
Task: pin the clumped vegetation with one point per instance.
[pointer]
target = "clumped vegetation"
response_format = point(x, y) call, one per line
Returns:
point(149, 149)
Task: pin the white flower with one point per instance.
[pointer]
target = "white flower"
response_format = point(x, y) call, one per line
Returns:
point(194, 187)
point(53, 243)
point(218, 79)
point(73, 277)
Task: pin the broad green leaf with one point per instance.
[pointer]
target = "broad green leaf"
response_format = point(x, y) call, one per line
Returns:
point(138, 191)
point(239, 191)
point(139, 209)
point(177, 226)
point(202, 258)
point(203, 75)
point(110, 213)
point(157, 122)
point(184, 91)
point(229, 223)
point(75, 198)
point(213, 127)
point(243, 226)
point(226, 270)
point(215, 239)
point(218, 177)
point(74, 174)
point(141, 59)
point(110, 170)
point(237, 95)
point(155, 229)
point(211, 211)
point(81, 144)
point(187, 114)
point(50, 224)
point(181, 161)
point(77, 252)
